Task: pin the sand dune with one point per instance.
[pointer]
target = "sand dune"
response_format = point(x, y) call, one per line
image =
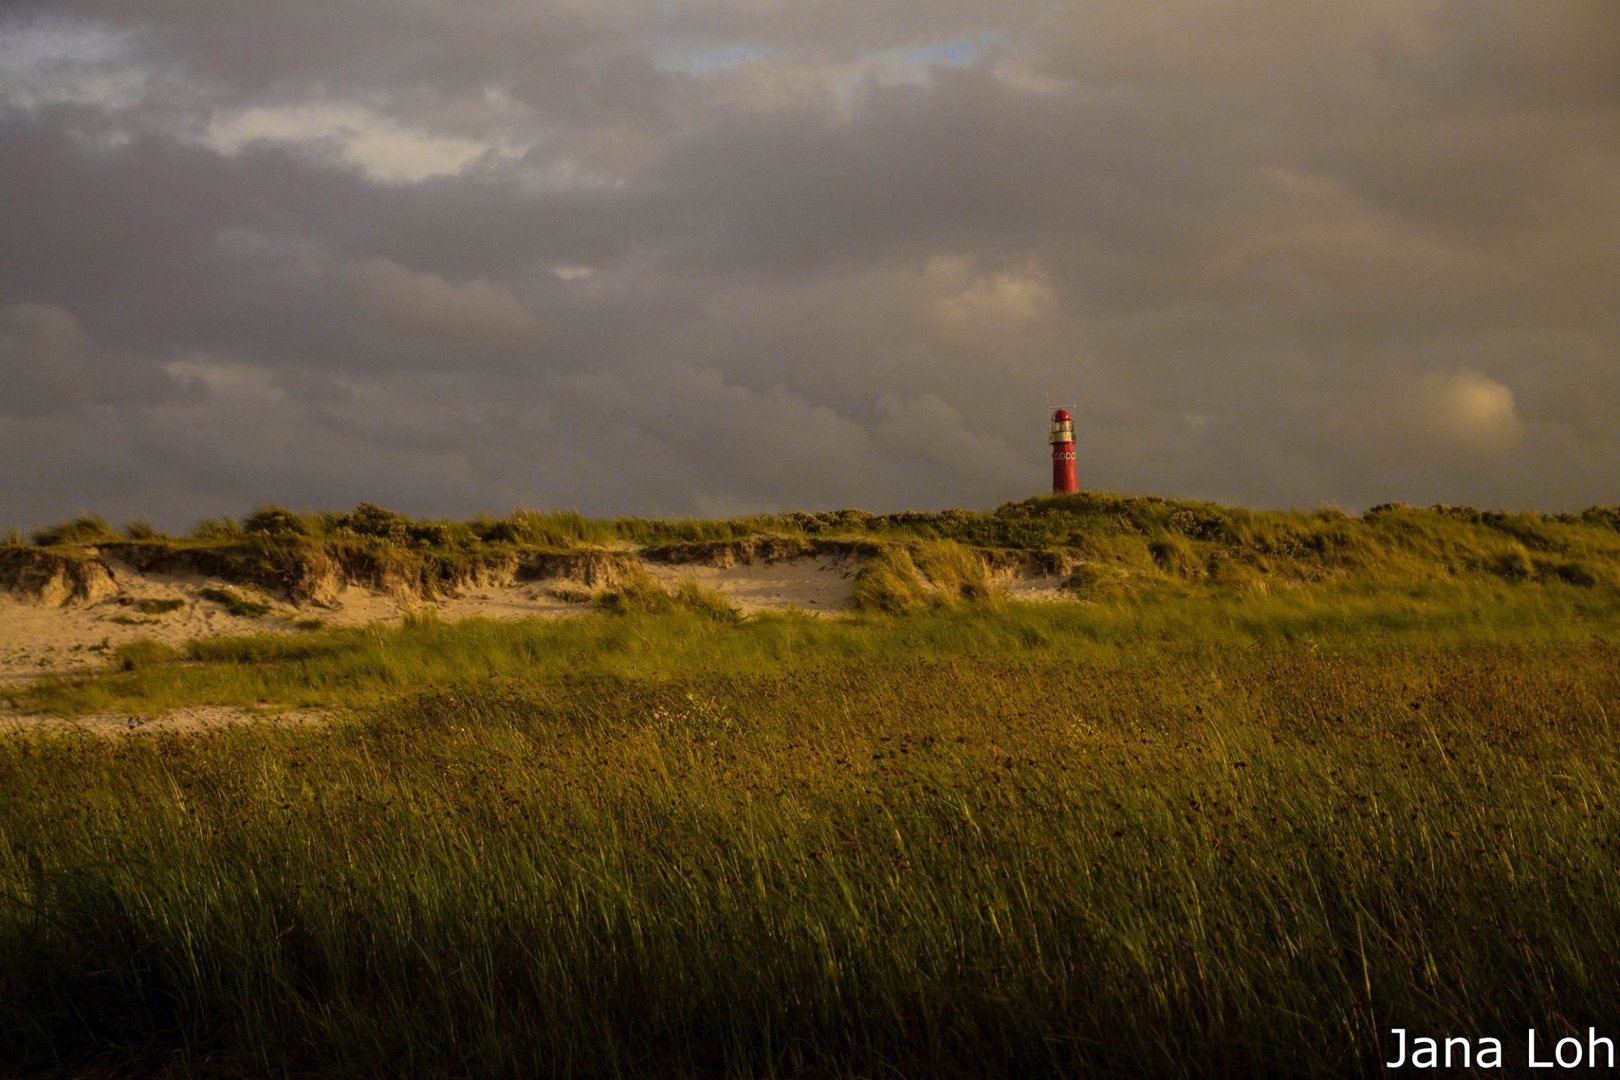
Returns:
point(51, 624)
point(49, 630)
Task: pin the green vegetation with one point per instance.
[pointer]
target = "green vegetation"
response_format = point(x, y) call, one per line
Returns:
point(149, 609)
point(143, 654)
point(1207, 837)
point(216, 529)
point(1189, 836)
point(930, 573)
point(1280, 783)
point(85, 529)
point(235, 603)
point(639, 593)
point(1110, 544)
point(358, 668)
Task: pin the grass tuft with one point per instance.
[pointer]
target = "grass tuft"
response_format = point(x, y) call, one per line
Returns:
point(900, 579)
point(141, 528)
point(709, 603)
point(85, 529)
point(636, 593)
point(143, 654)
point(890, 582)
point(235, 603)
point(216, 529)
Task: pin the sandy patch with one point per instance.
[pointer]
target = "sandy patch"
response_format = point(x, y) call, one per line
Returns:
point(1043, 589)
point(189, 720)
point(812, 584)
point(522, 600)
point(38, 638)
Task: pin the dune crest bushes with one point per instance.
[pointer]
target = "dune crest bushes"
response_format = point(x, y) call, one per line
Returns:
point(914, 559)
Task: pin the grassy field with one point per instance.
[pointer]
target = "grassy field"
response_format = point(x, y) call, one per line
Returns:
point(1188, 827)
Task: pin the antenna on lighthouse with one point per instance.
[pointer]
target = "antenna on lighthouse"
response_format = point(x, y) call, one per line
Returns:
point(1065, 479)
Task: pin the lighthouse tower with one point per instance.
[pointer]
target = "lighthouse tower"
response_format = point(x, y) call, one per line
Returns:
point(1064, 478)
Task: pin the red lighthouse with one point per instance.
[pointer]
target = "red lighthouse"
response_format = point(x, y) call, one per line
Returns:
point(1064, 478)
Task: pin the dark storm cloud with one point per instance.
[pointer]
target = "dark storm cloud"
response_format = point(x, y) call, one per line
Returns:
point(705, 257)
point(49, 366)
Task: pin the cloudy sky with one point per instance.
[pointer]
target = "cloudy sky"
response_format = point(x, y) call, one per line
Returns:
point(703, 257)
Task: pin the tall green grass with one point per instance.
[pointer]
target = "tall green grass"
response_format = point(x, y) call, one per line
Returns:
point(657, 635)
point(86, 528)
point(1277, 784)
point(902, 579)
point(1142, 860)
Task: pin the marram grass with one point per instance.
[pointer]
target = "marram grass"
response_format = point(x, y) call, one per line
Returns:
point(1110, 545)
point(657, 636)
point(1197, 839)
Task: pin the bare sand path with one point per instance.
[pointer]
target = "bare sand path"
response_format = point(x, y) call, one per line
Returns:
point(192, 719)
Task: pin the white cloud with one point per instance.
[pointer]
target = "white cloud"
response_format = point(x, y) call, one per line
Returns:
point(381, 147)
point(1014, 296)
point(1470, 411)
point(227, 380)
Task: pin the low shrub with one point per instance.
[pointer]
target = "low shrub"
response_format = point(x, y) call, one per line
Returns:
point(1607, 517)
point(1571, 572)
point(275, 520)
point(369, 519)
point(1514, 564)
